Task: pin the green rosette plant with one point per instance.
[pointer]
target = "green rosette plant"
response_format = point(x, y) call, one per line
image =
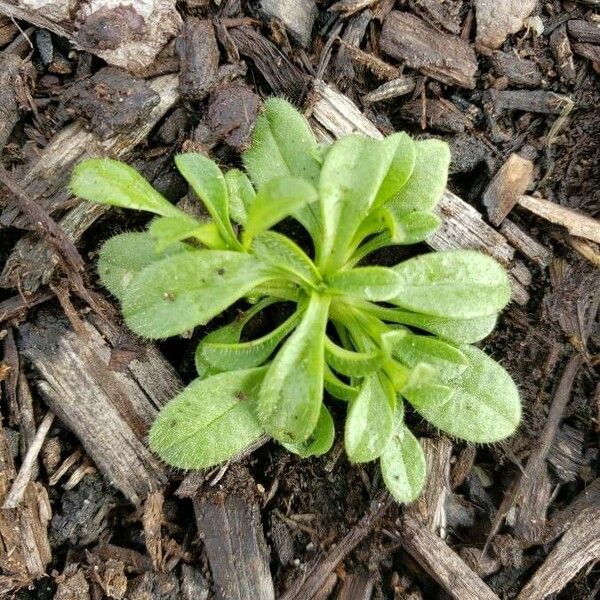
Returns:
point(375, 338)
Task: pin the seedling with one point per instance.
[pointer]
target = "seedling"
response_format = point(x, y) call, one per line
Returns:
point(373, 337)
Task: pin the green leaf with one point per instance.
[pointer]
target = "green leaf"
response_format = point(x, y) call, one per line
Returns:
point(107, 181)
point(403, 464)
point(182, 291)
point(428, 179)
point(170, 230)
point(319, 442)
point(227, 334)
point(229, 356)
point(292, 392)
point(412, 350)
point(338, 388)
point(400, 169)
point(410, 227)
point(460, 284)
point(369, 421)
point(241, 195)
point(456, 331)
point(348, 362)
point(275, 200)
point(123, 256)
point(279, 251)
point(350, 179)
point(480, 405)
point(210, 422)
point(283, 144)
point(208, 182)
point(369, 283)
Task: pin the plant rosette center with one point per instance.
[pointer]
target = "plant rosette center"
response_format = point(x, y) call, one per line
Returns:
point(370, 337)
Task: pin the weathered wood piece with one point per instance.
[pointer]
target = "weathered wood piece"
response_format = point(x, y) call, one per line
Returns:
point(563, 54)
point(284, 77)
point(438, 55)
point(462, 225)
point(536, 101)
point(356, 587)
point(320, 568)
point(350, 7)
point(32, 261)
point(439, 115)
point(298, 16)
point(24, 547)
point(575, 222)
point(518, 71)
point(198, 58)
point(428, 508)
point(125, 35)
point(109, 411)
point(9, 110)
point(230, 527)
point(497, 20)
point(589, 51)
point(442, 563)
point(584, 31)
point(579, 546)
point(526, 244)
point(512, 180)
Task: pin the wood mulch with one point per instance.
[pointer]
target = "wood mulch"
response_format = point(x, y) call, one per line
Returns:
point(87, 511)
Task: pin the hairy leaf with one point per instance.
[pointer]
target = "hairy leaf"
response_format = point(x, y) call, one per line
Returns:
point(107, 181)
point(369, 283)
point(400, 169)
point(428, 179)
point(275, 200)
point(350, 179)
point(279, 251)
point(410, 227)
point(123, 256)
point(369, 421)
point(348, 362)
point(460, 284)
point(338, 388)
point(241, 195)
point(211, 421)
point(319, 441)
point(170, 230)
point(480, 405)
point(182, 291)
point(292, 392)
point(403, 465)
point(228, 356)
point(208, 182)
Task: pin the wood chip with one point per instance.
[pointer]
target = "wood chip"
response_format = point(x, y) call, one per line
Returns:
point(198, 58)
point(520, 72)
point(390, 89)
point(349, 7)
point(575, 222)
point(445, 14)
point(442, 563)
point(563, 54)
point(589, 51)
point(356, 587)
point(537, 101)
point(579, 546)
point(109, 412)
point(438, 55)
point(584, 31)
point(298, 16)
point(440, 115)
point(497, 20)
point(511, 181)
point(526, 244)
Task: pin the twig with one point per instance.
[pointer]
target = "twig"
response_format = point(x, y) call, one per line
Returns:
point(22, 479)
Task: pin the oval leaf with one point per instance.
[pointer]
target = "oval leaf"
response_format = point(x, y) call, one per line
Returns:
point(369, 283)
point(480, 405)
point(208, 182)
point(369, 421)
point(180, 292)
point(460, 284)
point(241, 195)
point(210, 422)
point(410, 227)
point(403, 464)
point(319, 441)
point(275, 200)
point(400, 169)
point(123, 256)
point(292, 392)
point(107, 181)
point(428, 179)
